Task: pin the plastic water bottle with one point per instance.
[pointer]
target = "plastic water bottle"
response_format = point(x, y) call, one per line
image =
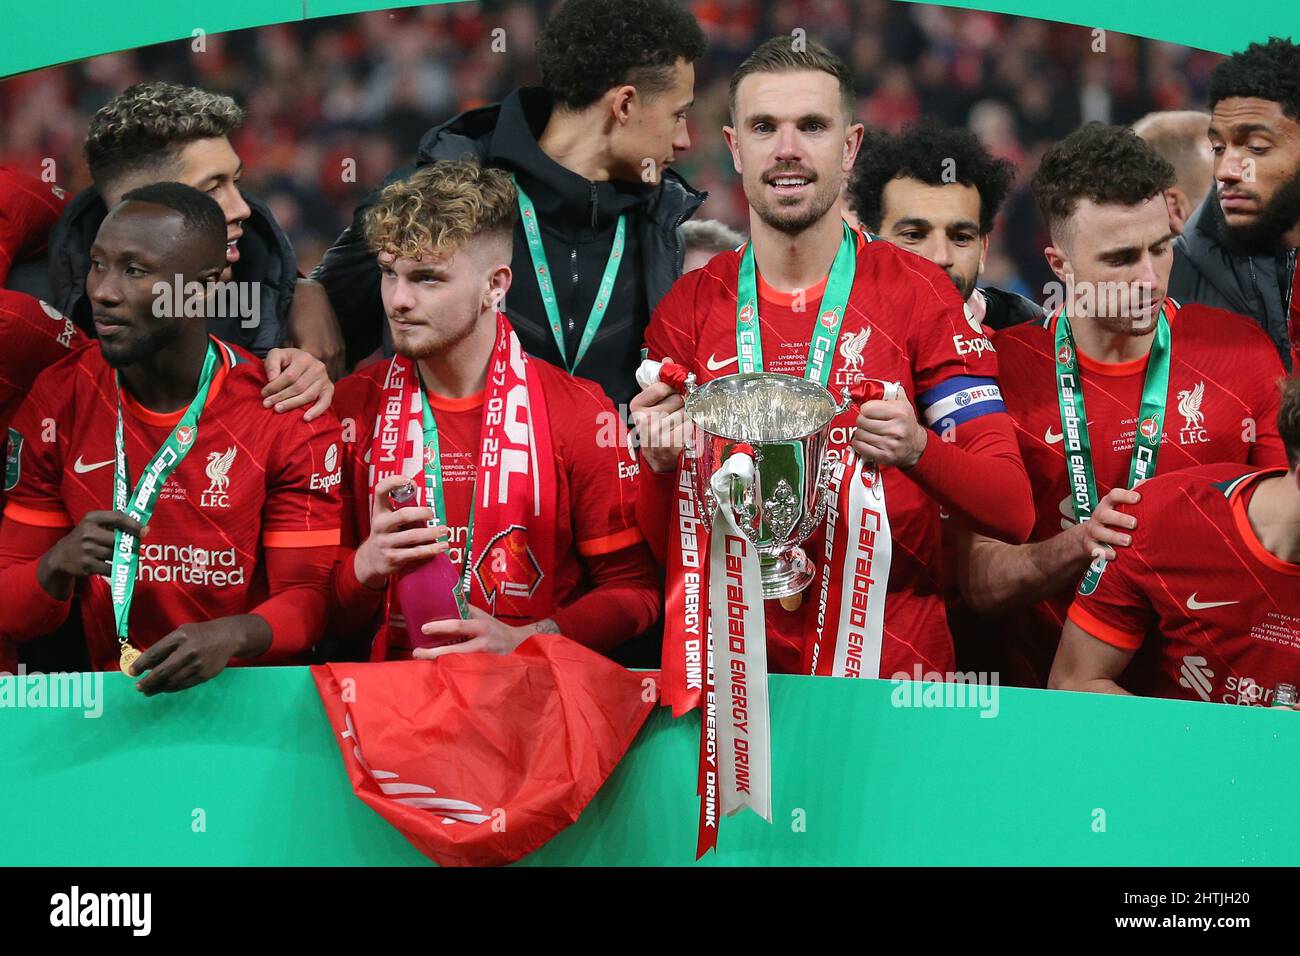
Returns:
point(426, 591)
point(1284, 697)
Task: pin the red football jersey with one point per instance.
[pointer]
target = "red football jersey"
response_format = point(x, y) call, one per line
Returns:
point(1222, 406)
point(595, 472)
point(1212, 614)
point(33, 334)
point(251, 480)
point(904, 322)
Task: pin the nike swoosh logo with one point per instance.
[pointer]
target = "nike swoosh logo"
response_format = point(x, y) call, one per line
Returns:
point(81, 468)
point(716, 366)
point(1195, 605)
point(1053, 438)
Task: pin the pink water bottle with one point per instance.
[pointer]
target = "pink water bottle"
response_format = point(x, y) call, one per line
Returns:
point(425, 591)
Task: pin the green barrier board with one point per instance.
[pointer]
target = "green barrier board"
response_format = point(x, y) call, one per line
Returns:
point(1053, 778)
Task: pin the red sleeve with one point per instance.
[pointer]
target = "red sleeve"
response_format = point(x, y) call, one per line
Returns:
point(29, 610)
point(672, 329)
point(35, 454)
point(601, 469)
point(1267, 373)
point(302, 499)
point(298, 582)
point(33, 334)
point(944, 343)
point(670, 334)
point(625, 601)
point(979, 478)
point(654, 509)
point(28, 210)
point(1117, 610)
point(353, 606)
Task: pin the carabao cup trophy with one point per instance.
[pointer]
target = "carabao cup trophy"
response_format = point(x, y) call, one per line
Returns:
point(786, 421)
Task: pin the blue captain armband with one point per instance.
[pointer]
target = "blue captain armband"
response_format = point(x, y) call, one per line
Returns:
point(960, 399)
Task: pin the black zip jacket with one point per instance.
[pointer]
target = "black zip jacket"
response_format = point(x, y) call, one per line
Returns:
point(265, 256)
point(1207, 272)
point(578, 220)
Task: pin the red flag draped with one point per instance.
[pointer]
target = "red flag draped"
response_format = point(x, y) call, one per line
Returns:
point(478, 759)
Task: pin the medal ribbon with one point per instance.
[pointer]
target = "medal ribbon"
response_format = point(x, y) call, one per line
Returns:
point(542, 269)
point(826, 330)
point(140, 503)
point(1074, 423)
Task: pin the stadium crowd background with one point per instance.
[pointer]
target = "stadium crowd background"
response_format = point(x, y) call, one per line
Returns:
point(365, 87)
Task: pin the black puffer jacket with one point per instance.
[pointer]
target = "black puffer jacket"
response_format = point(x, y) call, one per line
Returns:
point(1207, 272)
point(265, 256)
point(578, 220)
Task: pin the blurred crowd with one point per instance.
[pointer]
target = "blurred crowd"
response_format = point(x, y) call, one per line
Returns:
point(334, 104)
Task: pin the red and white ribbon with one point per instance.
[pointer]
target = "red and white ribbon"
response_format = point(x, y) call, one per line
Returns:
point(845, 637)
point(740, 650)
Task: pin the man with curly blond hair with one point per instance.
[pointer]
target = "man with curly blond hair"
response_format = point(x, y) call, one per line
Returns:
point(158, 131)
point(518, 470)
point(592, 151)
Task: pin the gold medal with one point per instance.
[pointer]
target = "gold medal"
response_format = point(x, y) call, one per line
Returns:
point(129, 656)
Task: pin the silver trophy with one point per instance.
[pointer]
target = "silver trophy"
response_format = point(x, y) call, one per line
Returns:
point(786, 420)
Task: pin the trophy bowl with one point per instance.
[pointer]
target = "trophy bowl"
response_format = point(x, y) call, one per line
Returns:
point(786, 420)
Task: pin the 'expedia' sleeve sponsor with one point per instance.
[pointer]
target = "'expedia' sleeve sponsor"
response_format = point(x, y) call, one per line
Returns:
point(602, 469)
point(946, 344)
point(302, 496)
point(33, 334)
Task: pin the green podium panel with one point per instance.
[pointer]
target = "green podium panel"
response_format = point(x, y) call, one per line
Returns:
point(244, 770)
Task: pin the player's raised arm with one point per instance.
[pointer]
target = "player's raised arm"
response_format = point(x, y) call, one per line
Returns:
point(995, 577)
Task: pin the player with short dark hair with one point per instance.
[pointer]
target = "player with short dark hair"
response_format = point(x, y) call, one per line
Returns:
point(874, 311)
point(936, 191)
point(158, 131)
point(1205, 603)
point(1123, 383)
point(146, 476)
point(549, 543)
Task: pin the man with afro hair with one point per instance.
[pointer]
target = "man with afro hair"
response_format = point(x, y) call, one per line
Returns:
point(601, 209)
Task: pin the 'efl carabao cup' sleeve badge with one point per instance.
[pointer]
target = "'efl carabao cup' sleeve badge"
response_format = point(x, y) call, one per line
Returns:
point(13, 459)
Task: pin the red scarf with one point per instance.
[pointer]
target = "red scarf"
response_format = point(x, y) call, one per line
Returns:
point(510, 561)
